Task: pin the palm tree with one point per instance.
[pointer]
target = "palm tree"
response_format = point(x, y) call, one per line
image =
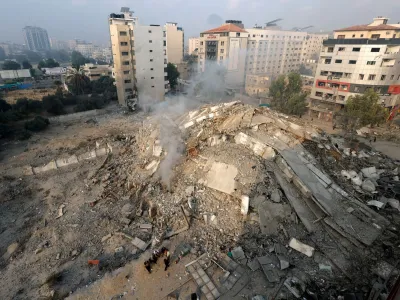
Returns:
point(77, 81)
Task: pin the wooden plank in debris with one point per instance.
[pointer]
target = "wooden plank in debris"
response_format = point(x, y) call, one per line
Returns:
point(335, 227)
point(304, 213)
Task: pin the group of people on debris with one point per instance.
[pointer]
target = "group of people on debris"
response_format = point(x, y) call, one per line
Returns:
point(164, 252)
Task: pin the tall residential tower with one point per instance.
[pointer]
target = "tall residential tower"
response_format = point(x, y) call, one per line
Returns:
point(36, 38)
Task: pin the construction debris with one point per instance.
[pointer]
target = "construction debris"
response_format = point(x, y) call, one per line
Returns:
point(303, 248)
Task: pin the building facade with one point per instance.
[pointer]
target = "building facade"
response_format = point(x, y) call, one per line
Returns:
point(194, 43)
point(86, 49)
point(124, 67)
point(356, 59)
point(175, 42)
point(225, 46)
point(276, 52)
point(94, 72)
point(36, 38)
point(151, 63)
point(139, 59)
point(257, 85)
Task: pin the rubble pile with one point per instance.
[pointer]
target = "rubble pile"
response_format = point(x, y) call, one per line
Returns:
point(233, 175)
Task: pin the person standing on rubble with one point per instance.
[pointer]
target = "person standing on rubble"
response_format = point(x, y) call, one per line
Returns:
point(147, 265)
point(167, 259)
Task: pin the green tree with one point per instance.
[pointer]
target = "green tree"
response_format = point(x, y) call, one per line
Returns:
point(37, 124)
point(32, 56)
point(2, 54)
point(58, 55)
point(78, 82)
point(77, 60)
point(53, 104)
point(4, 106)
point(173, 75)
point(287, 95)
point(362, 110)
point(48, 63)
point(11, 65)
point(26, 65)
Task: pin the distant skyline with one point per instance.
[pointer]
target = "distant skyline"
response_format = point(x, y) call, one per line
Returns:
point(87, 19)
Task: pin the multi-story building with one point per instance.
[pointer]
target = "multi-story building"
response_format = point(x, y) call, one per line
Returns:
point(356, 59)
point(86, 49)
point(94, 72)
point(58, 44)
point(225, 45)
point(139, 57)
point(175, 42)
point(257, 85)
point(194, 43)
point(151, 63)
point(275, 52)
point(36, 38)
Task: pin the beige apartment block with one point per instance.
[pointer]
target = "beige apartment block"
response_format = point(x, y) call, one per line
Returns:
point(194, 43)
point(175, 42)
point(257, 85)
point(94, 72)
point(226, 46)
point(358, 58)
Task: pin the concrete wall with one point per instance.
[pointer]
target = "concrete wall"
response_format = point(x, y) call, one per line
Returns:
point(174, 43)
point(77, 116)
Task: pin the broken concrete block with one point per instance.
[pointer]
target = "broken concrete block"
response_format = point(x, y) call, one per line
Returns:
point(256, 201)
point(245, 204)
point(10, 250)
point(157, 149)
point(370, 172)
point(376, 203)
point(254, 265)
point(238, 253)
point(125, 221)
point(258, 297)
point(303, 248)
point(138, 243)
point(283, 261)
point(106, 237)
point(394, 203)
point(276, 195)
point(127, 210)
point(119, 250)
point(152, 167)
point(189, 190)
point(146, 226)
point(295, 286)
point(368, 186)
point(27, 170)
point(385, 270)
point(327, 268)
point(221, 177)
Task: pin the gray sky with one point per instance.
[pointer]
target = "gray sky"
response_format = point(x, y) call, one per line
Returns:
point(87, 19)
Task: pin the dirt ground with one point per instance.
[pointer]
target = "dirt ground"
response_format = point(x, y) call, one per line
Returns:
point(35, 94)
point(44, 255)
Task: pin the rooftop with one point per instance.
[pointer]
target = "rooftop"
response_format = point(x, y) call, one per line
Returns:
point(369, 28)
point(226, 28)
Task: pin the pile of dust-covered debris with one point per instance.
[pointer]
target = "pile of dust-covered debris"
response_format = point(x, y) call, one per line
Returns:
point(231, 175)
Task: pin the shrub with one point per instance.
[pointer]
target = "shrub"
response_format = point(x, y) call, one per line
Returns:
point(53, 105)
point(89, 103)
point(37, 124)
point(4, 106)
point(23, 135)
point(5, 130)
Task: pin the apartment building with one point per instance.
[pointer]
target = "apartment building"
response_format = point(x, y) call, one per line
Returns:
point(277, 52)
point(226, 46)
point(94, 72)
point(36, 38)
point(194, 43)
point(139, 56)
point(151, 63)
point(86, 49)
point(175, 42)
point(122, 46)
point(257, 85)
point(356, 59)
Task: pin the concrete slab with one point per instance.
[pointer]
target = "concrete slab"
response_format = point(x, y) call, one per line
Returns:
point(221, 177)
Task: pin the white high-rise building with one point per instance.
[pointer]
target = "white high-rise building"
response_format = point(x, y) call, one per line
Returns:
point(356, 59)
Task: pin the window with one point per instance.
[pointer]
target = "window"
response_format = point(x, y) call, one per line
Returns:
point(343, 87)
point(361, 77)
point(221, 58)
point(375, 49)
point(152, 77)
point(237, 34)
point(201, 43)
point(375, 36)
point(127, 81)
point(126, 63)
point(371, 62)
point(371, 77)
point(392, 77)
point(341, 48)
point(352, 62)
point(222, 50)
point(122, 33)
point(357, 49)
point(330, 49)
point(126, 72)
point(222, 43)
point(361, 35)
point(318, 94)
point(151, 69)
point(150, 41)
point(383, 77)
point(152, 86)
point(150, 50)
point(151, 59)
point(342, 36)
point(149, 31)
point(129, 90)
point(357, 88)
point(254, 35)
point(165, 43)
point(327, 61)
point(353, 35)
point(338, 61)
point(124, 43)
point(125, 53)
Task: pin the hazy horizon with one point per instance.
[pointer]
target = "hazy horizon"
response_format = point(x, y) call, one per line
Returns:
point(87, 19)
